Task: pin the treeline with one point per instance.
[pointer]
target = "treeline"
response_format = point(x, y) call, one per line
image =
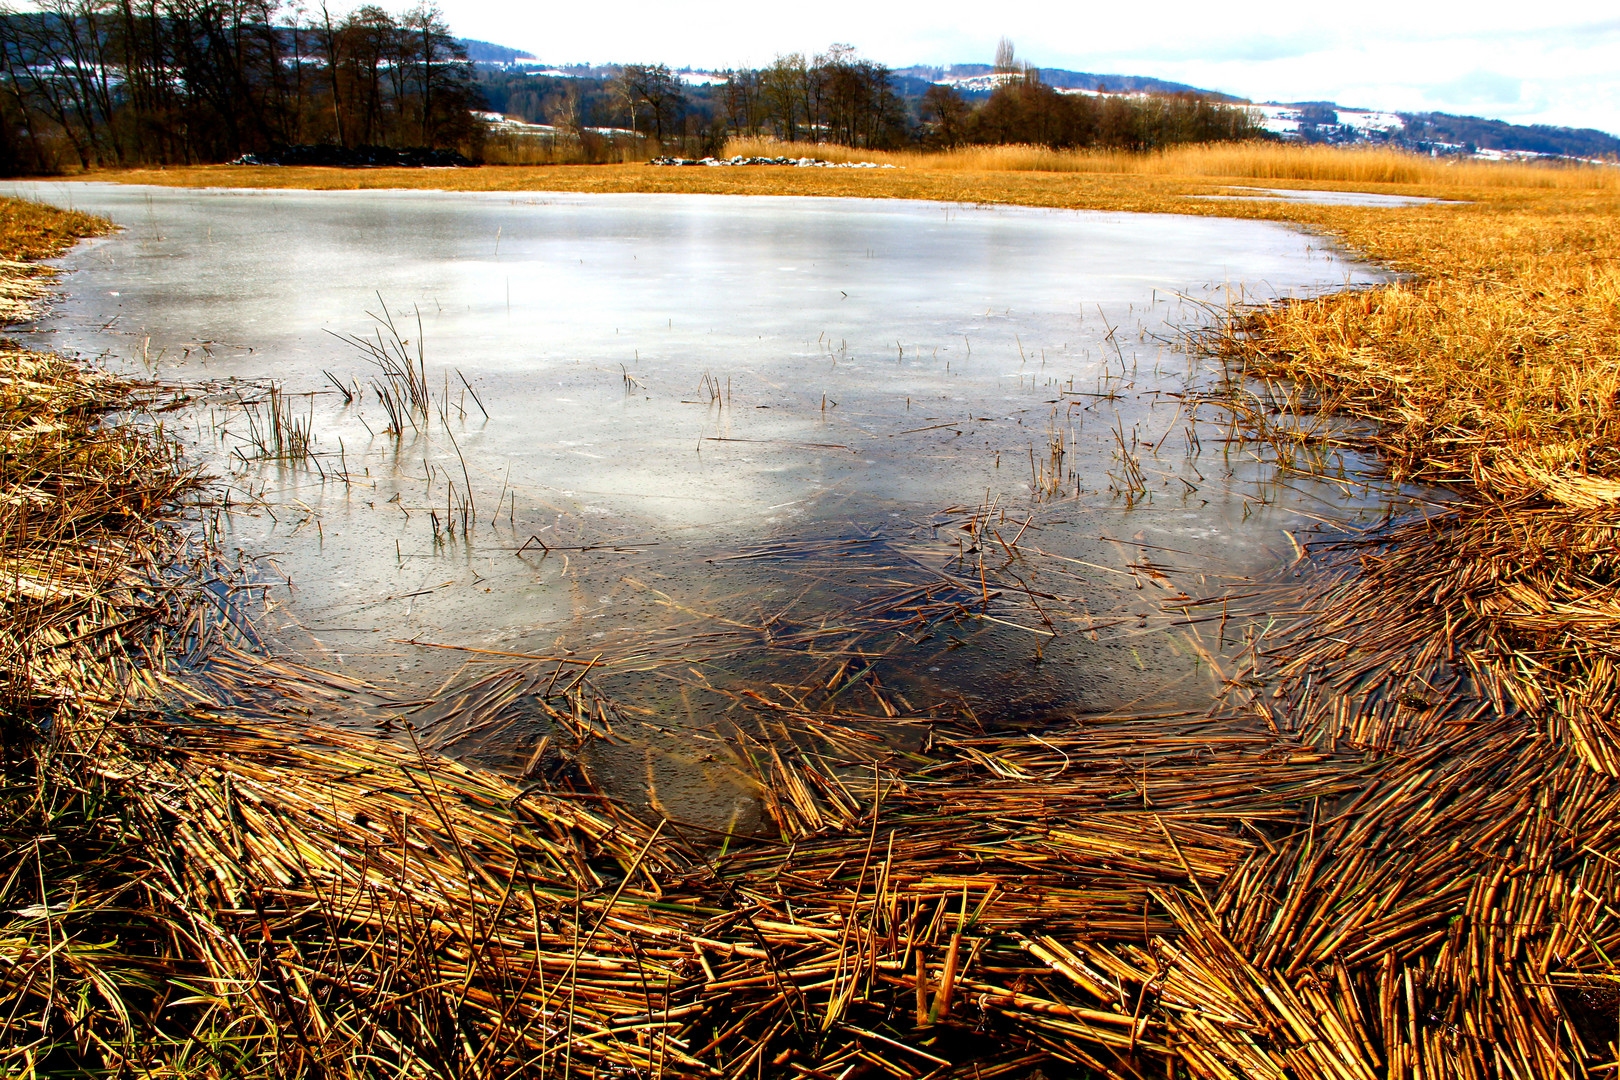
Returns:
point(88, 83)
point(841, 97)
point(1476, 133)
point(98, 83)
point(1025, 110)
point(836, 97)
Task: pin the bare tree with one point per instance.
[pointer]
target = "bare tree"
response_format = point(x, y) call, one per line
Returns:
point(562, 111)
point(440, 75)
point(947, 113)
point(741, 101)
point(854, 100)
point(651, 91)
point(1006, 61)
point(183, 80)
point(785, 93)
point(332, 48)
point(626, 100)
point(368, 45)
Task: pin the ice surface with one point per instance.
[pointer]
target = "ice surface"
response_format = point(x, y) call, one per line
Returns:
point(674, 380)
point(1324, 198)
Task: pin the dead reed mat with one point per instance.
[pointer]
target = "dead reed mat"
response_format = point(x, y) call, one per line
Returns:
point(1390, 851)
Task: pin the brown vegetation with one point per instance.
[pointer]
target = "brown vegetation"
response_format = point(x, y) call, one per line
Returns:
point(1390, 852)
point(1495, 372)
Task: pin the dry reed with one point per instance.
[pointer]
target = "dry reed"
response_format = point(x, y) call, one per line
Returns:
point(1390, 852)
point(1248, 161)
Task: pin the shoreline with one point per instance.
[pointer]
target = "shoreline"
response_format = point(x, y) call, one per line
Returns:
point(1268, 935)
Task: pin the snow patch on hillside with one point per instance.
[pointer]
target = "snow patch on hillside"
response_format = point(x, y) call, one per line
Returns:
point(1287, 120)
point(701, 78)
point(1363, 120)
point(976, 83)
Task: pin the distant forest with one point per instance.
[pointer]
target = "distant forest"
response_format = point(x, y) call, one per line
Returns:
point(839, 96)
point(99, 83)
point(1473, 133)
point(87, 83)
point(1443, 133)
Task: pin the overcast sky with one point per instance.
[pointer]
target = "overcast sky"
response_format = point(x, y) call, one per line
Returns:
point(1552, 63)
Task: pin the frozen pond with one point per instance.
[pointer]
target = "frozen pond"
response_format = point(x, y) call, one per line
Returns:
point(726, 437)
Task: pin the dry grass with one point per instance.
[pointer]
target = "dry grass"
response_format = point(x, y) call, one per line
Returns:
point(1392, 852)
point(1155, 183)
point(30, 230)
point(1249, 161)
point(1494, 372)
point(1501, 357)
point(504, 148)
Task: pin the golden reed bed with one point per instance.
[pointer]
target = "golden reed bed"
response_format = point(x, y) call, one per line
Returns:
point(1390, 851)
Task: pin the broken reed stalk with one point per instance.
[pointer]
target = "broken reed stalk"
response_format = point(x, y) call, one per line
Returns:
point(1049, 900)
point(1494, 375)
point(1475, 642)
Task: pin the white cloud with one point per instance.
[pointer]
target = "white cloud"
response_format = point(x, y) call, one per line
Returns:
point(1489, 89)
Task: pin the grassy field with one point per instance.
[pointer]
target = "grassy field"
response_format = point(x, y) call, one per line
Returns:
point(1032, 176)
point(1413, 876)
